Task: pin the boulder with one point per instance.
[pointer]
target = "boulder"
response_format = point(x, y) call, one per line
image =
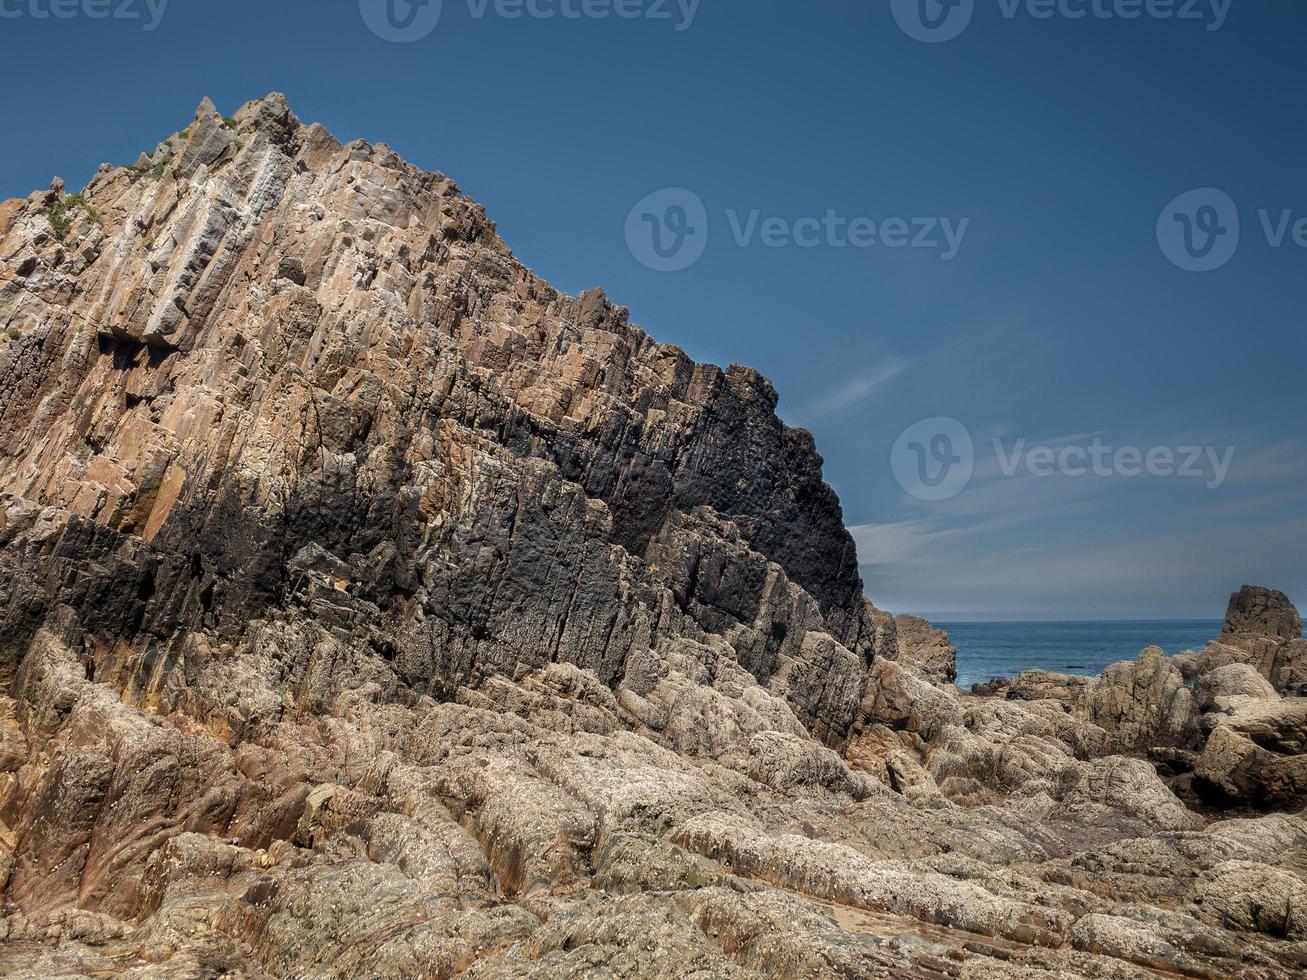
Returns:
point(1234, 768)
point(1257, 611)
point(1219, 686)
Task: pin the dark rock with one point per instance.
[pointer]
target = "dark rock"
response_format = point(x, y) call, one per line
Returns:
point(1262, 612)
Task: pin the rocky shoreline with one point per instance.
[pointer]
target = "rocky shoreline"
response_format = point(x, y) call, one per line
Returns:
point(373, 609)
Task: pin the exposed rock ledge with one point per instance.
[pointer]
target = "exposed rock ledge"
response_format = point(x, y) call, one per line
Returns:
point(372, 609)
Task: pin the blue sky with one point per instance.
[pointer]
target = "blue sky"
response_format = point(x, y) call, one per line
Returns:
point(1054, 145)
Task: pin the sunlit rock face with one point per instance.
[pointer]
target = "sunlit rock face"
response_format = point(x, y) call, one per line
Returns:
point(370, 608)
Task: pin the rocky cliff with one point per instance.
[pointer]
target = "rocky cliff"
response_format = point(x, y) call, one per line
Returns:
point(373, 609)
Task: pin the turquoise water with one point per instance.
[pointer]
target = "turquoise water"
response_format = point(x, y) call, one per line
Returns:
point(989, 650)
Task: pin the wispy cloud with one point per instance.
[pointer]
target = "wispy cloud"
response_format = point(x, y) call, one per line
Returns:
point(1279, 462)
point(852, 390)
point(888, 544)
point(1126, 576)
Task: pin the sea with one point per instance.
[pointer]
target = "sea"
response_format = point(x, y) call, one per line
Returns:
point(990, 650)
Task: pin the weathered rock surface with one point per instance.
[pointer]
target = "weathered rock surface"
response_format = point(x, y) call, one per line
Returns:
point(1264, 630)
point(1255, 752)
point(1036, 685)
point(1220, 688)
point(1140, 704)
point(372, 609)
point(928, 650)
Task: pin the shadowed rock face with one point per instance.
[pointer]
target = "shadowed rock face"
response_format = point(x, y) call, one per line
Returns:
point(372, 609)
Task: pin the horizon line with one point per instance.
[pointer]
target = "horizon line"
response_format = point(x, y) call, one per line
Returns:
point(957, 620)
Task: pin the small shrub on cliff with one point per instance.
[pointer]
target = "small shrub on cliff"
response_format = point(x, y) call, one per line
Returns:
point(60, 214)
point(59, 221)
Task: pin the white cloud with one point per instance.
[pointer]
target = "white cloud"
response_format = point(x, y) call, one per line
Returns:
point(888, 544)
point(853, 390)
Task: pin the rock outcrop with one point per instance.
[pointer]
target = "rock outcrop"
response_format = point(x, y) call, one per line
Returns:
point(1139, 705)
point(926, 649)
point(370, 608)
point(1255, 739)
point(1264, 630)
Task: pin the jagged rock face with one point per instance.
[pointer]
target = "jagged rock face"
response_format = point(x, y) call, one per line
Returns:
point(372, 609)
point(262, 368)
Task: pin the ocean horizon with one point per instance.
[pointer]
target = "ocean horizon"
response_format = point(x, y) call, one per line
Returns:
point(988, 650)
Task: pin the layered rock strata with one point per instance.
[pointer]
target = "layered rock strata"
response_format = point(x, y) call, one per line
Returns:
point(370, 608)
